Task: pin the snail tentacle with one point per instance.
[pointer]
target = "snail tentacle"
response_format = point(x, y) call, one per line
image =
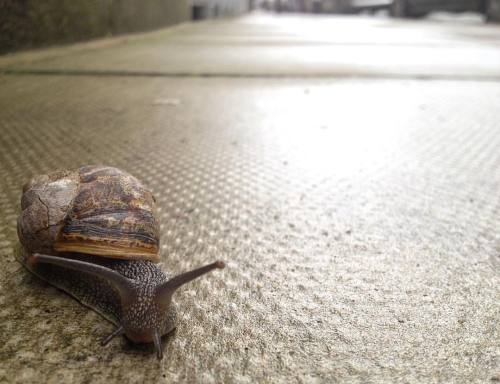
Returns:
point(118, 331)
point(157, 341)
point(120, 282)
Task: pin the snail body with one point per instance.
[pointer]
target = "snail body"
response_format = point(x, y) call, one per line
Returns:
point(93, 233)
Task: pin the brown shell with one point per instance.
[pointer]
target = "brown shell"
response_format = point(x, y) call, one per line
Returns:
point(101, 211)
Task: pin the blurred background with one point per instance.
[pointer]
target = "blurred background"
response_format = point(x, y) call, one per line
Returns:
point(28, 23)
point(395, 8)
point(341, 156)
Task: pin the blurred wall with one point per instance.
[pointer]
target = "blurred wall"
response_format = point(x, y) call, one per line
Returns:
point(493, 10)
point(34, 23)
point(202, 9)
point(314, 6)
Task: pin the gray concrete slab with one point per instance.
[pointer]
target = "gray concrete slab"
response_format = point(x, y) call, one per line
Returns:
point(358, 217)
point(296, 46)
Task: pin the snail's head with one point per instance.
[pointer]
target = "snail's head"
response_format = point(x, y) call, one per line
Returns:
point(148, 312)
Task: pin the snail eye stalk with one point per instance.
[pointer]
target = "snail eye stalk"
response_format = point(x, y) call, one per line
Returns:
point(164, 292)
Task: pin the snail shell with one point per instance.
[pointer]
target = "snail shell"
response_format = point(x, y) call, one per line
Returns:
point(100, 211)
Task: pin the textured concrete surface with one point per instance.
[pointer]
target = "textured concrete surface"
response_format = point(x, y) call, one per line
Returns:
point(358, 217)
point(298, 46)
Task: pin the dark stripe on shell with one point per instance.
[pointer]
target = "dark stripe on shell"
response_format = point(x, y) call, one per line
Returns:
point(111, 209)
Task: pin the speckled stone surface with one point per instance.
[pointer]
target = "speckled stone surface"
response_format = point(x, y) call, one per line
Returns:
point(358, 219)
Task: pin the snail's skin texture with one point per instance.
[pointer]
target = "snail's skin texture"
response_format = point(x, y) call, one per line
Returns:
point(93, 233)
point(100, 295)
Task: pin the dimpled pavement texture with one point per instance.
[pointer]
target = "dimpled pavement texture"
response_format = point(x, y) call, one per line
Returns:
point(358, 220)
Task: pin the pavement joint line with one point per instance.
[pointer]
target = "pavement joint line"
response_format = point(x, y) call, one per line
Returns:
point(332, 75)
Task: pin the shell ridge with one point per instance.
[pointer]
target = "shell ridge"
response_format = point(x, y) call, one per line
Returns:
point(70, 207)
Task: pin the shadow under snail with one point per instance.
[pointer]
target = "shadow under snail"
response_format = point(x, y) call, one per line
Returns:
point(93, 233)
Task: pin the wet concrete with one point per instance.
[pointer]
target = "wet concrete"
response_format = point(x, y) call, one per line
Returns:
point(358, 217)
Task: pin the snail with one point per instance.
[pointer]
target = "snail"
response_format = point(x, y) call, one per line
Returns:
point(93, 233)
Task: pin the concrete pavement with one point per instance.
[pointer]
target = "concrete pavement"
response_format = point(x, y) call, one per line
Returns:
point(355, 203)
point(291, 46)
